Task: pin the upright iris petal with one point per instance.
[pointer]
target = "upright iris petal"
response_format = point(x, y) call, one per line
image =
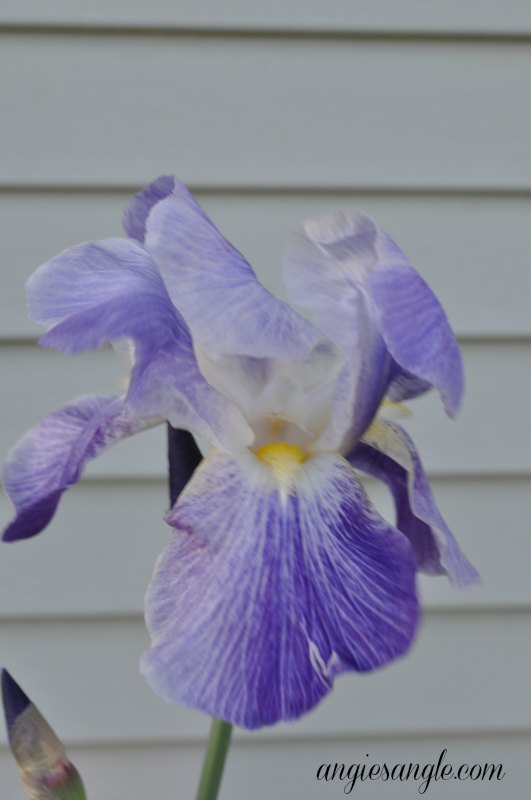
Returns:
point(210, 282)
point(367, 298)
point(105, 291)
point(281, 575)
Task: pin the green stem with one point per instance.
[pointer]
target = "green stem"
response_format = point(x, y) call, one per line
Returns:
point(216, 753)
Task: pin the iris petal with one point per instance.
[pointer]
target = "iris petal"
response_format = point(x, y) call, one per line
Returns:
point(210, 282)
point(387, 453)
point(139, 206)
point(51, 457)
point(264, 595)
point(414, 325)
point(106, 291)
point(370, 301)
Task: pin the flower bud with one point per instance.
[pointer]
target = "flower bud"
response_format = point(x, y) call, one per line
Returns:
point(44, 768)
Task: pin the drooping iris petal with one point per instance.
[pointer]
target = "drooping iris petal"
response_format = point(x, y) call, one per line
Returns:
point(109, 291)
point(368, 299)
point(51, 457)
point(209, 281)
point(387, 452)
point(266, 593)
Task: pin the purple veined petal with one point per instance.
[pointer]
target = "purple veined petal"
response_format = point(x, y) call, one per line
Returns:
point(91, 274)
point(388, 453)
point(368, 299)
point(51, 457)
point(405, 386)
point(210, 282)
point(264, 596)
point(138, 208)
point(110, 291)
point(317, 269)
point(414, 325)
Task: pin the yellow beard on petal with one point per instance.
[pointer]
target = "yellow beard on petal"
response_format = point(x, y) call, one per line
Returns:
point(390, 409)
point(283, 459)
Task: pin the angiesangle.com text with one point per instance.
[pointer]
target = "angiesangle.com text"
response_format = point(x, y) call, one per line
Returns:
point(423, 774)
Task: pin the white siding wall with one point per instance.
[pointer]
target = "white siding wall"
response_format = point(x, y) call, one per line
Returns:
point(416, 112)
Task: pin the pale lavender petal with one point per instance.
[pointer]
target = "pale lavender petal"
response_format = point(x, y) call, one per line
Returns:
point(387, 453)
point(109, 291)
point(91, 274)
point(138, 208)
point(366, 297)
point(414, 325)
point(263, 596)
point(405, 386)
point(210, 282)
point(51, 457)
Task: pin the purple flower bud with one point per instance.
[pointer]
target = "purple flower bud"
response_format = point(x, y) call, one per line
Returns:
point(44, 768)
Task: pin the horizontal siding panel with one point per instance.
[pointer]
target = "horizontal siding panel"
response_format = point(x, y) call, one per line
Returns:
point(97, 556)
point(274, 127)
point(227, 111)
point(257, 770)
point(472, 250)
point(491, 435)
point(410, 16)
point(462, 676)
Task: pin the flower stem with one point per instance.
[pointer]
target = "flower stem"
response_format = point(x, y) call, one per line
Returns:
point(216, 753)
point(183, 458)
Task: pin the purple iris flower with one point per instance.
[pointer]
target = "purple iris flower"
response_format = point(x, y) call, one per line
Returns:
point(281, 574)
